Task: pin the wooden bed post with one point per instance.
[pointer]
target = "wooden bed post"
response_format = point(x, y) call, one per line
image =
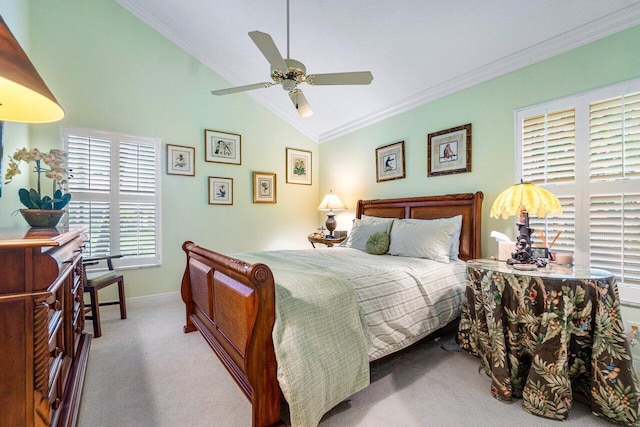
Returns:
point(237, 324)
point(185, 292)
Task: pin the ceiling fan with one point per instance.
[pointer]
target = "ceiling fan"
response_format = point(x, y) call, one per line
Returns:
point(290, 73)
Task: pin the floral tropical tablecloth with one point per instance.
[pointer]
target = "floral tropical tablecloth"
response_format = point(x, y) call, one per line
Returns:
point(547, 334)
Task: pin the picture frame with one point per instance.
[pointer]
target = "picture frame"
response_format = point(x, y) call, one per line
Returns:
point(181, 160)
point(390, 162)
point(264, 187)
point(220, 191)
point(539, 252)
point(222, 147)
point(449, 151)
point(298, 166)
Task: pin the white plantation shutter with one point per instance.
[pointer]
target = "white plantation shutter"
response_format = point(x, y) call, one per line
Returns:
point(95, 217)
point(586, 150)
point(562, 225)
point(115, 187)
point(548, 144)
point(548, 159)
point(137, 229)
point(613, 216)
point(90, 164)
point(614, 129)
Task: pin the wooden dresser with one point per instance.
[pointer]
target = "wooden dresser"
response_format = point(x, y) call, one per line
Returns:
point(44, 349)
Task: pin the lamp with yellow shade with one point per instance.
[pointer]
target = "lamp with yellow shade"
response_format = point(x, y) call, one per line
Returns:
point(331, 202)
point(521, 200)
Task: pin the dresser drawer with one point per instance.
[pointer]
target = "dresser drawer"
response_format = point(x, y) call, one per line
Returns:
point(55, 373)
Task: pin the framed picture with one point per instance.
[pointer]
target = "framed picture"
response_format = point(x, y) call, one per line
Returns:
point(390, 162)
point(222, 147)
point(181, 160)
point(220, 191)
point(540, 252)
point(298, 166)
point(449, 151)
point(264, 187)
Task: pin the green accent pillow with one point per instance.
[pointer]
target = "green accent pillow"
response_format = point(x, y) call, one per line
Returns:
point(377, 243)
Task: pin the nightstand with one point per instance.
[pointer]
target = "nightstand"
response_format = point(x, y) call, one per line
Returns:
point(319, 238)
point(547, 334)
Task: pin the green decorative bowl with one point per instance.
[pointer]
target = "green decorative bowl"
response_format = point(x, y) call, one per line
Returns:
point(42, 218)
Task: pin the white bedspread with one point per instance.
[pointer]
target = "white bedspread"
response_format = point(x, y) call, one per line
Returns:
point(337, 308)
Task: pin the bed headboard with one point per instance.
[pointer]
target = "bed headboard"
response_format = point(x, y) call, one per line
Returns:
point(469, 205)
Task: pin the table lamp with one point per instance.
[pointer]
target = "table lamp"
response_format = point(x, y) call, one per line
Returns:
point(521, 200)
point(24, 97)
point(330, 203)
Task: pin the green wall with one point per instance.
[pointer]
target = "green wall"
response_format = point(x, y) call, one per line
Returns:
point(112, 72)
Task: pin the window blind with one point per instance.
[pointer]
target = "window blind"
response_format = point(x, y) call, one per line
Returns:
point(586, 150)
point(614, 137)
point(548, 147)
point(115, 187)
point(548, 159)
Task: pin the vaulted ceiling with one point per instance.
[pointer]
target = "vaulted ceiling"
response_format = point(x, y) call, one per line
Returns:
point(417, 50)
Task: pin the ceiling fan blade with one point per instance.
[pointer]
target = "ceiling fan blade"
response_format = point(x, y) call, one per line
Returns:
point(354, 78)
point(300, 102)
point(241, 88)
point(269, 50)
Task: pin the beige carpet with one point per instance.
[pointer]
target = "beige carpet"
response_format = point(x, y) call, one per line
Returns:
point(144, 371)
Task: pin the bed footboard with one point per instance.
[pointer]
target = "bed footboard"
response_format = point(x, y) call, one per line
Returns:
point(232, 304)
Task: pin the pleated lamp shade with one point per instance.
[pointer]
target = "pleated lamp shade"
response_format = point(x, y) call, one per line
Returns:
point(525, 197)
point(24, 97)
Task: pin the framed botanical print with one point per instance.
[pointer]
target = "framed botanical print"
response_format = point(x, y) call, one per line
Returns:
point(298, 166)
point(264, 187)
point(220, 191)
point(222, 147)
point(390, 162)
point(181, 160)
point(449, 151)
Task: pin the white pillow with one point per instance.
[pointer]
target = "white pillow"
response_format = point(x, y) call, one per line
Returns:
point(455, 239)
point(422, 239)
point(365, 227)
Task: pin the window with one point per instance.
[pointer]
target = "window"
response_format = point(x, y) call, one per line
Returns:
point(586, 150)
point(115, 187)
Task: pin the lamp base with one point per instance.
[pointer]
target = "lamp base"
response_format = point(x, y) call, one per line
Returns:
point(524, 254)
point(331, 224)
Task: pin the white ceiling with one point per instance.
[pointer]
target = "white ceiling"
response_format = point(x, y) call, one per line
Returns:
point(417, 50)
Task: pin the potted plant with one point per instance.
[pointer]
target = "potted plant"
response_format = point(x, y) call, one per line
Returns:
point(41, 211)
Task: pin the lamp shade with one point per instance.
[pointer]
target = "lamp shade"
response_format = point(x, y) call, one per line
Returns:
point(24, 97)
point(525, 197)
point(331, 202)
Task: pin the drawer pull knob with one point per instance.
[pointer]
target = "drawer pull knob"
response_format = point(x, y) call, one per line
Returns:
point(56, 352)
point(57, 305)
point(55, 404)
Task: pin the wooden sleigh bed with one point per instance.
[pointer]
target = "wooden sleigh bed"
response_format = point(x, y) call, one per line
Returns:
point(232, 303)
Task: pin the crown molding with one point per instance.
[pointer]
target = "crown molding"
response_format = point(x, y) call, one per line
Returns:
point(572, 39)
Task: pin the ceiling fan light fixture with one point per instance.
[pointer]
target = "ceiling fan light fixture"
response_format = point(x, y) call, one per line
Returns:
point(300, 102)
point(288, 85)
